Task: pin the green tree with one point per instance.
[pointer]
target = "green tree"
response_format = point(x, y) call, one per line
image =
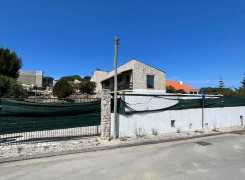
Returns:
point(65, 86)
point(72, 78)
point(221, 86)
point(87, 78)
point(229, 92)
point(170, 89)
point(181, 91)
point(10, 63)
point(87, 87)
point(243, 82)
point(210, 90)
point(241, 90)
point(62, 89)
point(10, 88)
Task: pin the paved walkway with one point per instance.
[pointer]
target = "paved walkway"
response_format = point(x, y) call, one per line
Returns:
point(223, 158)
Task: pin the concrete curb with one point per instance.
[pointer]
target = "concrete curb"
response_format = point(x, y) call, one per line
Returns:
point(129, 144)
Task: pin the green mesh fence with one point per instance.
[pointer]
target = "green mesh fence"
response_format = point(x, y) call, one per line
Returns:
point(18, 116)
point(189, 104)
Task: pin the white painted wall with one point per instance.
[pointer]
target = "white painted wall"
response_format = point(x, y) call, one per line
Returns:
point(155, 102)
point(142, 103)
point(185, 120)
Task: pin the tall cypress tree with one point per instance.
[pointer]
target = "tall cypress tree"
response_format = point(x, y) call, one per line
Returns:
point(221, 83)
point(243, 82)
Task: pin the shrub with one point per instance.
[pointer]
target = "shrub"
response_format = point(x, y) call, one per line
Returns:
point(62, 89)
point(87, 87)
point(10, 88)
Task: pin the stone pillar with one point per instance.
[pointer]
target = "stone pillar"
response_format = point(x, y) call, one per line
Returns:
point(105, 115)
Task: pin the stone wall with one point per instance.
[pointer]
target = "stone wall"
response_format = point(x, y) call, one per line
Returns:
point(127, 66)
point(31, 77)
point(97, 77)
point(140, 72)
point(105, 114)
point(39, 78)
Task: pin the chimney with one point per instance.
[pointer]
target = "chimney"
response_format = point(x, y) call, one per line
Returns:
point(181, 82)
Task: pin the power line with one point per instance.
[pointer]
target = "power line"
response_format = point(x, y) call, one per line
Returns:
point(186, 24)
point(173, 62)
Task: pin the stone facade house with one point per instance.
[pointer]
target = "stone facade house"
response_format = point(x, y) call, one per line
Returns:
point(133, 76)
point(31, 78)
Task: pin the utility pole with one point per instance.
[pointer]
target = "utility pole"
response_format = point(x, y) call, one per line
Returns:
point(203, 104)
point(114, 122)
point(203, 101)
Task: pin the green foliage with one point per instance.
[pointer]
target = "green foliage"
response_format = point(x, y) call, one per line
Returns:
point(243, 82)
point(181, 91)
point(210, 90)
point(225, 91)
point(241, 90)
point(72, 78)
point(62, 89)
point(87, 87)
point(87, 78)
point(171, 89)
point(221, 84)
point(65, 86)
point(9, 87)
point(10, 63)
point(228, 92)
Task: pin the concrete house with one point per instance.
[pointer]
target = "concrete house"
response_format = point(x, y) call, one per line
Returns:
point(133, 76)
point(31, 78)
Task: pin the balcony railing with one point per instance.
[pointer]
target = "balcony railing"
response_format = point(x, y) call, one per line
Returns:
point(121, 86)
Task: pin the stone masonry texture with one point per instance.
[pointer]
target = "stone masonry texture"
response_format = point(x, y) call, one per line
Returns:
point(31, 77)
point(139, 72)
point(105, 114)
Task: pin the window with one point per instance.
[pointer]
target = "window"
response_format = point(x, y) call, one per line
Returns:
point(172, 123)
point(127, 78)
point(120, 78)
point(107, 83)
point(150, 81)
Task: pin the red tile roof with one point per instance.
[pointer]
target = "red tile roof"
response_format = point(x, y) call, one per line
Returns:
point(179, 85)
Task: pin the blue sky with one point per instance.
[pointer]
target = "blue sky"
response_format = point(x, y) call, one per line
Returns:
point(64, 37)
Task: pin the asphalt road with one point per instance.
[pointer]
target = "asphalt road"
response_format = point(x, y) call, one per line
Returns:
point(224, 158)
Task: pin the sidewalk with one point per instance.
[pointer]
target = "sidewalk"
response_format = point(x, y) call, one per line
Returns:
point(88, 144)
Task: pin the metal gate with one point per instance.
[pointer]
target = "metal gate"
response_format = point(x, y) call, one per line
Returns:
point(49, 119)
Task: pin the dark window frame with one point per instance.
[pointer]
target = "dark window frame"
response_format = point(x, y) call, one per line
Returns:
point(150, 82)
point(107, 83)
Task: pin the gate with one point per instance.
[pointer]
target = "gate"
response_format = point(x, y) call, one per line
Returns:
point(49, 119)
